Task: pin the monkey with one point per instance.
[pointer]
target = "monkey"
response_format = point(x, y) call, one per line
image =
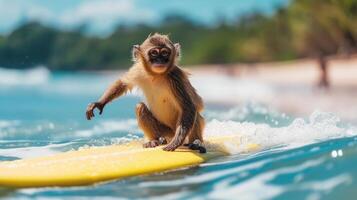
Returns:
point(172, 115)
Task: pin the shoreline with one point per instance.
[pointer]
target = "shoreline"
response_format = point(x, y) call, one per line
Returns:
point(289, 86)
point(294, 85)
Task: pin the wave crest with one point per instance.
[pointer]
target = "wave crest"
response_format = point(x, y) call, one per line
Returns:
point(30, 77)
point(320, 126)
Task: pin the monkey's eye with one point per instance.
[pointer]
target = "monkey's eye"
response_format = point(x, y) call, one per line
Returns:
point(165, 52)
point(154, 52)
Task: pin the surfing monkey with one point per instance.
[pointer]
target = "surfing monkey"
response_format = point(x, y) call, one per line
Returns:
point(172, 114)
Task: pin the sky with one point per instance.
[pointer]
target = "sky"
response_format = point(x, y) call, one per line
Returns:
point(102, 16)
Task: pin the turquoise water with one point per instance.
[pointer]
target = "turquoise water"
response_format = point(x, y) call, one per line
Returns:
point(301, 158)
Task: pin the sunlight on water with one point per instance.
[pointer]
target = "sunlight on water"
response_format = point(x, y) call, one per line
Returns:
point(299, 158)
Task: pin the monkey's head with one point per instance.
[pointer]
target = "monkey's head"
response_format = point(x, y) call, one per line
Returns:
point(157, 53)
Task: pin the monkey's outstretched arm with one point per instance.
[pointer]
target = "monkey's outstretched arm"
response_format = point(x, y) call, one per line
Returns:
point(188, 111)
point(114, 91)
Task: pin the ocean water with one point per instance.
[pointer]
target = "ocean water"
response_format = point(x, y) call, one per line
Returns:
point(313, 157)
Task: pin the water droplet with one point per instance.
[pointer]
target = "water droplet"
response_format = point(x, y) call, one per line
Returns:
point(334, 154)
point(340, 152)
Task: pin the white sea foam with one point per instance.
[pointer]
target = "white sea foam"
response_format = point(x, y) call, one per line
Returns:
point(319, 127)
point(31, 152)
point(8, 123)
point(109, 126)
point(36, 76)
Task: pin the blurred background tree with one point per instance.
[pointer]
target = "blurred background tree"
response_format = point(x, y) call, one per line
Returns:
point(322, 28)
point(301, 29)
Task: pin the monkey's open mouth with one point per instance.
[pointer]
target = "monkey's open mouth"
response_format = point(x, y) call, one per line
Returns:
point(158, 68)
point(159, 65)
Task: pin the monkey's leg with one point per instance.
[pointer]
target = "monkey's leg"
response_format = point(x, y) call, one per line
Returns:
point(195, 139)
point(153, 129)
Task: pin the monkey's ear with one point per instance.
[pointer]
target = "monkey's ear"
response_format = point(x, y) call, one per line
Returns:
point(135, 52)
point(177, 49)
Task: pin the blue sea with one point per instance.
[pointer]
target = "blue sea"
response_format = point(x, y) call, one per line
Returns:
point(310, 157)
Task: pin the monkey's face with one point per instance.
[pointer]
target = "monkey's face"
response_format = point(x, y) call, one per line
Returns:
point(157, 54)
point(159, 58)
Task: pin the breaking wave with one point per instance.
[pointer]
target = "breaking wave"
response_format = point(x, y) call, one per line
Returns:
point(30, 77)
point(320, 126)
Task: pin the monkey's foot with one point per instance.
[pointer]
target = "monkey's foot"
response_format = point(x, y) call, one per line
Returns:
point(155, 143)
point(170, 147)
point(197, 145)
point(151, 144)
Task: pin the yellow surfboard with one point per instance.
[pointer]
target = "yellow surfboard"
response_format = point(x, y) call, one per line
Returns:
point(92, 165)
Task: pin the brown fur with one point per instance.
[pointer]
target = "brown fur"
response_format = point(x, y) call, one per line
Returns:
point(173, 105)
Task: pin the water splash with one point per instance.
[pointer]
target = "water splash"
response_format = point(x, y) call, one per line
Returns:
point(251, 111)
point(109, 126)
point(320, 126)
point(31, 77)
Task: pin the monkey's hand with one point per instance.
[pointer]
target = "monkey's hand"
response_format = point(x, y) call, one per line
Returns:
point(91, 107)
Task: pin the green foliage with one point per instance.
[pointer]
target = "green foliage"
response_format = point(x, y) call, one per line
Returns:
point(303, 28)
point(323, 27)
point(29, 45)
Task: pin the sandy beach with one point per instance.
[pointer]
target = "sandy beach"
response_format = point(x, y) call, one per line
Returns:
point(294, 85)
